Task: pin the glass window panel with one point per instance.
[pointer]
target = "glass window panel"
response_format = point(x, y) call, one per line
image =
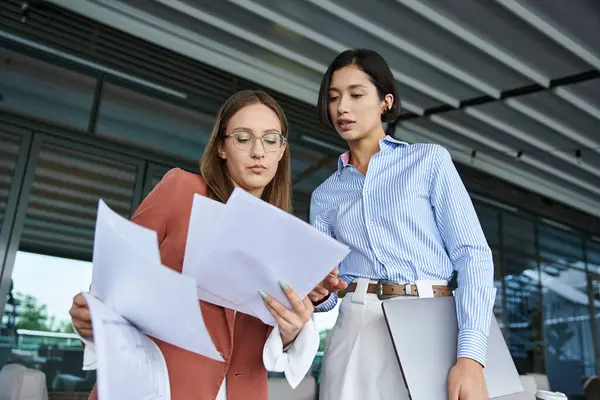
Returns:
point(151, 123)
point(523, 312)
point(62, 208)
point(310, 183)
point(154, 175)
point(301, 205)
point(518, 234)
point(488, 217)
point(42, 90)
point(499, 284)
point(561, 246)
point(9, 149)
point(593, 256)
point(36, 330)
point(569, 350)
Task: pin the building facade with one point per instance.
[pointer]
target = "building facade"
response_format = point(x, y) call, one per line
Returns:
point(88, 112)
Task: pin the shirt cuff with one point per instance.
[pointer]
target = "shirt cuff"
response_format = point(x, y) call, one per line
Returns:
point(472, 344)
point(328, 304)
point(90, 359)
point(298, 357)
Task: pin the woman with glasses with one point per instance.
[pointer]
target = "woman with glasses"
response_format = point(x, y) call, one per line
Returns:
point(409, 221)
point(248, 149)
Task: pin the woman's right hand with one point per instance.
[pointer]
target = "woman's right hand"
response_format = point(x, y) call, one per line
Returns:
point(81, 317)
point(330, 284)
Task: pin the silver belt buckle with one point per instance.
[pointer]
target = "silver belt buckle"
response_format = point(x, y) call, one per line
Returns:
point(379, 290)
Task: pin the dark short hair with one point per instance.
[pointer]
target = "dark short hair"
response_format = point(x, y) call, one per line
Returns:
point(372, 64)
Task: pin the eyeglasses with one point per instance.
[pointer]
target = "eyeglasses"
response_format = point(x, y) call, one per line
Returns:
point(246, 140)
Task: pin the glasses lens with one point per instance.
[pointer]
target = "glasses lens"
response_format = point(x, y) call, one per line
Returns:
point(272, 141)
point(243, 140)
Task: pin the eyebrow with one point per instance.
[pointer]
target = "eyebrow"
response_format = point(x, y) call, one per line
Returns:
point(242, 128)
point(355, 86)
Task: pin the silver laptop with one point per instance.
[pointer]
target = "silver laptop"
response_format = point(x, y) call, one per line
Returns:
point(424, 332)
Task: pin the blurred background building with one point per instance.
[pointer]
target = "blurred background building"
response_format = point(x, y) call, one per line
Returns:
point(99, 98)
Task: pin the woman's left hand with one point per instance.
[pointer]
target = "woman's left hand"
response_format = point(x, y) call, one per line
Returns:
point(466, 381)
point(290, 322)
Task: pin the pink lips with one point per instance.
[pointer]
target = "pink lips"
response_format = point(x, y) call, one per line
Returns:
point(345, 124)
point(257, 169)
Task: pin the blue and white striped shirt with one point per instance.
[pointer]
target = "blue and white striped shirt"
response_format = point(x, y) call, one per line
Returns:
point(411, 218)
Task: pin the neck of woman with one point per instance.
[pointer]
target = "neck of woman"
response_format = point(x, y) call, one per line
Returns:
point(363, 149)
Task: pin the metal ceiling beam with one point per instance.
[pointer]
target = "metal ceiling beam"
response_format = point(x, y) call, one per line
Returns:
point(482, 43)
point(510, 173)
point(532, 17)
point(499, 147)
point(242, 33)
point(554, 124)
point(339, 47)
point(385, 35)
point(190, 44)
point(516, 133)
point(562, 82)
point(568, 95)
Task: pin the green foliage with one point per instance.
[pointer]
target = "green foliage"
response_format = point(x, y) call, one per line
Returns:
point(33, 315)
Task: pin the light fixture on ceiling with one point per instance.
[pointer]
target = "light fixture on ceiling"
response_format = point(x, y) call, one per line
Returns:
point(519, 155)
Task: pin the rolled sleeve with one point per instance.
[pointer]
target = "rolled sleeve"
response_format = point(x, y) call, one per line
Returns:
point(328, 304)
point(295, 360)
point(469, 253)
point(90, 358)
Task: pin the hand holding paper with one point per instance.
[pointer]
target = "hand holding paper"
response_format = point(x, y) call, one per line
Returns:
point(129, 277)
point(253, 246)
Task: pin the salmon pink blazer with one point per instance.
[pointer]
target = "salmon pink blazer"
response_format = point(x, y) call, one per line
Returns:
point(248, 346)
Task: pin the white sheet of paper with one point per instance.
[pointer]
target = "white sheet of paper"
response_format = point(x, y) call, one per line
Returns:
point(157, 300)
point(130, 365)
point(206, 214)
point(255, 245)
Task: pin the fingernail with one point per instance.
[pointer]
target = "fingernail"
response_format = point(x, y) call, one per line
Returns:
point(263, 294)
point(283, 285)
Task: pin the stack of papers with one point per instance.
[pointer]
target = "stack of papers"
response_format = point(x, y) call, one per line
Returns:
point(134, 295)
point(236, 249)
point(132, 366)
point(233, 250)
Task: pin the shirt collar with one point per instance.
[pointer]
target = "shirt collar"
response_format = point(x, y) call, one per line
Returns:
point(386, 143)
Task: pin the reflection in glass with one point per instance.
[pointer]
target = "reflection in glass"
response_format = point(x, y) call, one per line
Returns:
point(9, 148)
point(518, 234)
point(36, 329)
point(561, 246)
point(593, 258)
point(45, 91)
point(567, 330)
point(488, 218)
point(151, 123)
point(523, 312)
point(62, 207)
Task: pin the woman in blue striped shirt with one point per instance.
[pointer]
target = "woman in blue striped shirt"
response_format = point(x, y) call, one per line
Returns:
point(405, 213)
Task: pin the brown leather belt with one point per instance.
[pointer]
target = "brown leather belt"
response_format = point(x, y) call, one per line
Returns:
point(389, 290)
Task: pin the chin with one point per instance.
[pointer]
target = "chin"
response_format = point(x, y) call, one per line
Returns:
point(256, 182)
point(352, 135)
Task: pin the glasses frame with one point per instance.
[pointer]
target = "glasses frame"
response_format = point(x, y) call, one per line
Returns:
point(282, 140)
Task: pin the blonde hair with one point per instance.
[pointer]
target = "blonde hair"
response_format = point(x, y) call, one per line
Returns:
point(214, 170)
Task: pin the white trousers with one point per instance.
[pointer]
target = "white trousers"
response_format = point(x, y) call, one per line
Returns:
point(360, 362)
